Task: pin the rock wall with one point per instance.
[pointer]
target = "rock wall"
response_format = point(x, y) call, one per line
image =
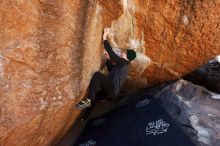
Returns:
point(46, 61)
point(176, 36)
point(49, 50)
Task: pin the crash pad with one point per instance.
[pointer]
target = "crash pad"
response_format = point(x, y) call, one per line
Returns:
point(141, 123)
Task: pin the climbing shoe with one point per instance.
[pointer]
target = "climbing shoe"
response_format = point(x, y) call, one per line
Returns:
point(85, 103)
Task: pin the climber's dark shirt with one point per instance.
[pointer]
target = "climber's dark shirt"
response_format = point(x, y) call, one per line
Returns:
point(110, 64)
point(119, 71)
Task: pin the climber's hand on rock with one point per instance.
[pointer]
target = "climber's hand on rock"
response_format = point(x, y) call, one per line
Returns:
point(106, 55)
point(106, 32)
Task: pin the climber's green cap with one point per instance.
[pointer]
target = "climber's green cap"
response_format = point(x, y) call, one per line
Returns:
point(131, 54)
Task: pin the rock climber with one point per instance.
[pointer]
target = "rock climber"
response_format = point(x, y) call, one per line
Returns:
point(112, 82)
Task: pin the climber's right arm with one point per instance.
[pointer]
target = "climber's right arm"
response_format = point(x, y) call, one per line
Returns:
point(108, 47)
point(111, 53)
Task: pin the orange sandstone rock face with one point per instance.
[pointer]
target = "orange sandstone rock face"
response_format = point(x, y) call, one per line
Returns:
point(49, 50)
point(46, 61)
point(176, 37)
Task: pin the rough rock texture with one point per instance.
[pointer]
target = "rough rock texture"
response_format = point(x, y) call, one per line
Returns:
point(49, 50)
point(43, 71)
point(208, 75)
point(177, 36)
point(195, 108)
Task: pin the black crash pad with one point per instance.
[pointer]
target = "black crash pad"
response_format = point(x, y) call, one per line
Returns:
point(143, 123)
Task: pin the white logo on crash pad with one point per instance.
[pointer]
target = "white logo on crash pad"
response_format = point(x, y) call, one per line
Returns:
point(89, 143)
point(157, 127)
point(142, 103)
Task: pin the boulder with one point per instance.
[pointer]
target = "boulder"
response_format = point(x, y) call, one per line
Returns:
point(196, 109)
point(49, 50)
point(207, 75)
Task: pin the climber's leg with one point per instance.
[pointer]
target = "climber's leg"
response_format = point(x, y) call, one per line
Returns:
point(99, 82)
